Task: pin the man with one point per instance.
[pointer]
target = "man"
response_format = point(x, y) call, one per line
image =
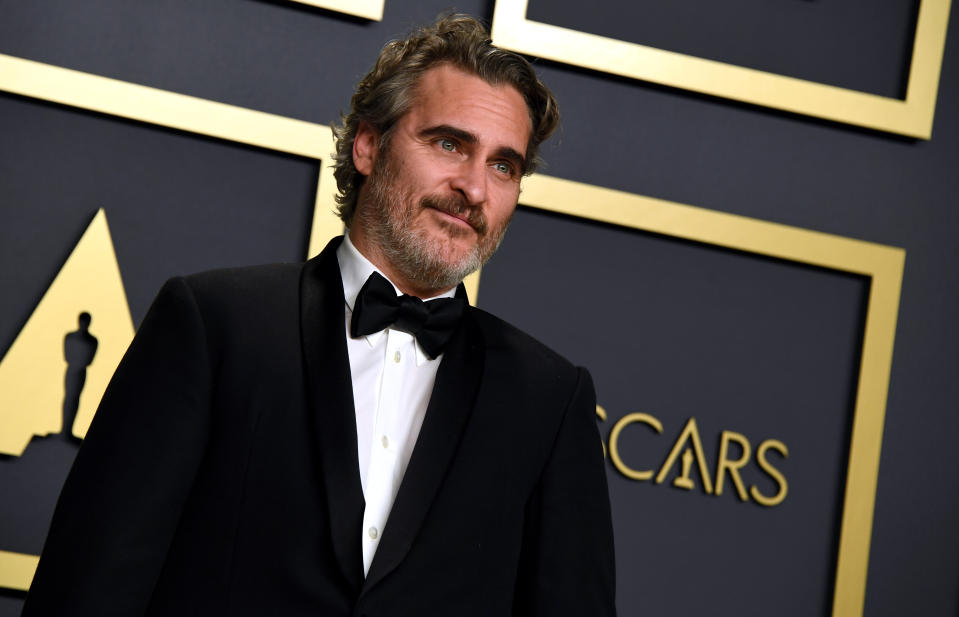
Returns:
point(314, 439)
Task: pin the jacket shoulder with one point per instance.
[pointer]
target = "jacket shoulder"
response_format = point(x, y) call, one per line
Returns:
point(246, 291)
point(235, 283)
point(506, 340)
point(237, 306)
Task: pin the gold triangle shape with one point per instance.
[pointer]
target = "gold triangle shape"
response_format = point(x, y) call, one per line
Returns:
point(32, 371)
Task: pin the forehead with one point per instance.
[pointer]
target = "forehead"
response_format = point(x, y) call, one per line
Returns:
point(446, 95)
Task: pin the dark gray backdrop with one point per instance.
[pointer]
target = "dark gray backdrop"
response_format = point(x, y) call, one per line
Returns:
point(758, 346)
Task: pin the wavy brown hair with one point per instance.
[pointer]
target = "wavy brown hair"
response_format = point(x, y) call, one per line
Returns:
point(389, 89)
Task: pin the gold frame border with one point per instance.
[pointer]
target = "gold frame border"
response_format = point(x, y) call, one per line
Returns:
point(883, 264)
point(912, 116)
point(367, 9)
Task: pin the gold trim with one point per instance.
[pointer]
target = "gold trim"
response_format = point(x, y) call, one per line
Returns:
point(367, 9)
point(326, 224)
point(912, 117)
point(16, 570)
point(883, 264)
point(169, 109)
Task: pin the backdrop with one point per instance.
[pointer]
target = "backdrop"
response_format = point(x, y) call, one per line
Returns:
point(728, 378)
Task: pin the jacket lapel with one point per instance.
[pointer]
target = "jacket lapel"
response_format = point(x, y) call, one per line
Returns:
point(331, 403)
point(451, 402)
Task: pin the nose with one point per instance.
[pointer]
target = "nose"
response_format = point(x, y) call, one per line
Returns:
point(470, 180)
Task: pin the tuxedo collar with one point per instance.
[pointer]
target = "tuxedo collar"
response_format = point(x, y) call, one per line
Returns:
point(331, 404)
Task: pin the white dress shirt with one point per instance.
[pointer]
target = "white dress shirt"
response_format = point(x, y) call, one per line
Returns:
point(392, 381)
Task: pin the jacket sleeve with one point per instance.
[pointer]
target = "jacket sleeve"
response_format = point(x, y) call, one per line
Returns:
point(121, 503)
point(567, 564)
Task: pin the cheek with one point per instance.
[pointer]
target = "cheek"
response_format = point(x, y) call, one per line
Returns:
point(499, 218)
point(501, 208)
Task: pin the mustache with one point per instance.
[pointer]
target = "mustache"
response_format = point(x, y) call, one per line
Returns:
point(456, 205)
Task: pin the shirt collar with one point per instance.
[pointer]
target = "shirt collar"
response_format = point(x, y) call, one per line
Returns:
point(354, 270)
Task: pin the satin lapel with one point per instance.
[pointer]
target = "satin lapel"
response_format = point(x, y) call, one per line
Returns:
point(451, 402)
point(331, 403)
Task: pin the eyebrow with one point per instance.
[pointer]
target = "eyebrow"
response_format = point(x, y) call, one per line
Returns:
point(446, 130)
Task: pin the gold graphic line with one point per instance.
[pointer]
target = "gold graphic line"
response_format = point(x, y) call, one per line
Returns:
point(367, 9)
point(16, 570)
point(883, 264)
point(912, 117)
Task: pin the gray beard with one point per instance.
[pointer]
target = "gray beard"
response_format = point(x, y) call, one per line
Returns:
point(409, 248)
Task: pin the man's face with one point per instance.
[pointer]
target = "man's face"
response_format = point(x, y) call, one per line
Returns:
point(440, 195)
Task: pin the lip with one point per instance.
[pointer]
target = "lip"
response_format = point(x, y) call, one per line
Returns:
point(456, 219)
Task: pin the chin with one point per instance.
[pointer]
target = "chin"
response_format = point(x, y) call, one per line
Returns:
point(453, 240)
point(455, 253)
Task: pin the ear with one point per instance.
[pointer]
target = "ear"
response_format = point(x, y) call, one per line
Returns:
point(365, 148)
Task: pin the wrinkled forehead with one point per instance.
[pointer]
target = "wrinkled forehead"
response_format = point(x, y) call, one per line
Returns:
point(448, 95)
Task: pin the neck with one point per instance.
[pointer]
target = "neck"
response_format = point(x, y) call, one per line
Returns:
point(372, 251)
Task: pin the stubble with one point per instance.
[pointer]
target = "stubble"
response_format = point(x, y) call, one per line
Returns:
point(428, 261)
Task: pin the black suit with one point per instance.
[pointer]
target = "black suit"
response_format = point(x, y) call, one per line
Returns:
point(220, 476)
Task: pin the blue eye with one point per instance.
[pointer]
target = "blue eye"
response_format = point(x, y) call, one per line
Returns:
point(503, 168)
point(447, 145)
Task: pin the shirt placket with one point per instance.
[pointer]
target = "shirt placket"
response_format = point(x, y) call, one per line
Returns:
point(381, 478)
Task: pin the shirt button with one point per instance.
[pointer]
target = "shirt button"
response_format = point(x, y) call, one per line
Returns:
point(396, 357)
point(385, 441)
point(373, 533)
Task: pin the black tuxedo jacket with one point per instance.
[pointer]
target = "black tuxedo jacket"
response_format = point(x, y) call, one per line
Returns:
point(220, 475)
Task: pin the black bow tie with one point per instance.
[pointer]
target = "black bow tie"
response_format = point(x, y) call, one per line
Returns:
point(432, 322)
